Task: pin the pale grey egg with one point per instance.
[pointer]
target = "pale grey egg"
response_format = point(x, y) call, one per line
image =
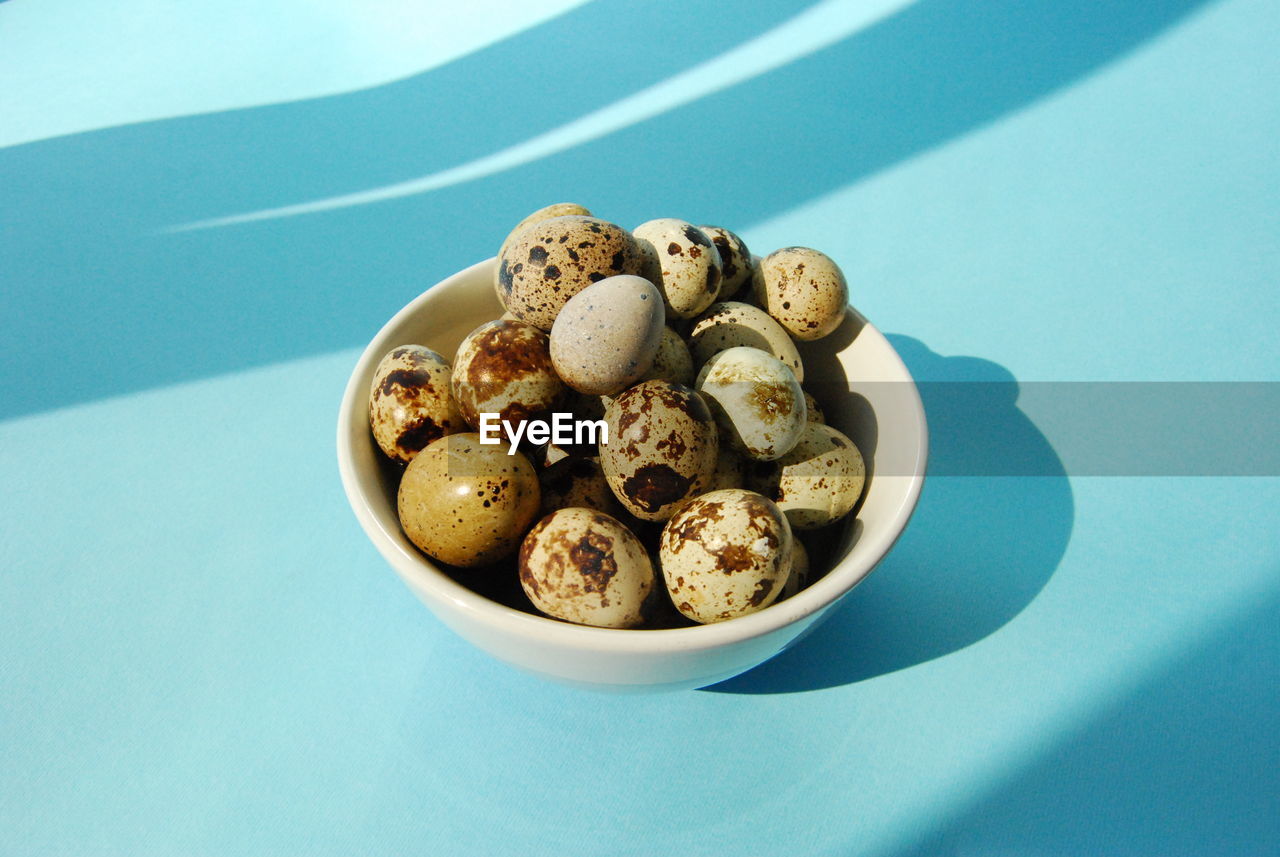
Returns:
point(607, 335)
point(682, 262)
point(756, 400)
point(731, 323)
point(805, 290)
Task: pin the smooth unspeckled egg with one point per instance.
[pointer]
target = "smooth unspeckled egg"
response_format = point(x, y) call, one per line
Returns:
point(800, 570)
point(732, 323)
point(576, 481)
point(584, 566)
point(607, 335)
point(409, 403)
point(818, 482)
point(661, 450)
point(725, 554)
point(504, 367)
point(673, 362)
point(466, 503)
point(756, 400)
point(735, 259)
point(803, 289)
point(552, 260)
point(682, 262)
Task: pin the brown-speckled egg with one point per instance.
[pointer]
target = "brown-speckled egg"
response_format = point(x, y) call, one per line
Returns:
point(409, 403)
point(504, 367)
point(756, 400)
point(467, 503)
point(731, 469)
point(552, 260)
point(735, 260)
point(682, 262)
point(576, 481)
point(673, 362)
point(800, 570)
point(731, 323)
point(559, 209)
point(661, 450)
point(584, 566)
point(813, 411)
point(725, 554)
point(803, 289)
point(607, 335)
point(818, 482)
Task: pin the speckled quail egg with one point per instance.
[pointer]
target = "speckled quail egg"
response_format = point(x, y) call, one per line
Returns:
point(661, 449)
point(607, 335)
point(552, 260)
point(409, 403)
point(813, 411)
point(800, 570)
point(576, 481)
point(673, 361)
point(735, 259)
point(756, 400)
point(682, 262)
point(732, 323)
point(818, 482)
point(725, 554)
point(803, 289)
point(559, 209)
point(467, 503)
point(584, 566)
point(504, 367)
point(731, 469)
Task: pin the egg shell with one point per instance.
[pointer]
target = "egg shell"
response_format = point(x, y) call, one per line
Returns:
point(813, 411)
point(729, 324)
point(731, 469)
point(725, 554)
point(756, 400)
point(735, 259)
point(467, 503)
point(805, 290)
point(558, 209)
point(552, 260)
point(801, 569)
point(410, 403)
point(607, 335)
point(584, 566)
point(661, 449)
point(682, 262)
point(504, 367)
point(673, 362)
point(576, 481)
point(818, 482)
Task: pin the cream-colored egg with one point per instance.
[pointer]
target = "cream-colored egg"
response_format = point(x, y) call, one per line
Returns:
point(682, 262)
point(661, 449)
point(550, 261)
point(818, 482)
point(559, 209)
point(803, 289)
point(504, 367)
point(584, 566)
point(735, 260)
point(607, 335)
point(673, 362)
point(801, 570)
point(725, 554)
point(410, 404)
point(756, 400)
point(732, 323)
point(466, 503)
point(731, 469)
point(576, 481)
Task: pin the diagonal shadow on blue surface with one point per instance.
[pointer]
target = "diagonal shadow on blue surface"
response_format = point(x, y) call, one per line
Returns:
point(93, 286)
point(1177, 766)
point(977, 551)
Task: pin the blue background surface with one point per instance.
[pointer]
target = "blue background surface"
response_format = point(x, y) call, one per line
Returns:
point(209, 208)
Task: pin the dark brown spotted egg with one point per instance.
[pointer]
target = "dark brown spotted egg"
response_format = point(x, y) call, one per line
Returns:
point(682, 262)
point(735, 260)
point(467, 503)
point(552, 260)
point(803, 289)
point(725, 554)
point(756, 400)
point(818, 482)
point(410, 404)
point(661, 449)
point(576, 481)
point(559, 209)
point(584, 566)
point(504, 367)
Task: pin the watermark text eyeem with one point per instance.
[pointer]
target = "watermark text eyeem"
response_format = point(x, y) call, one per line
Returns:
point(563, 429)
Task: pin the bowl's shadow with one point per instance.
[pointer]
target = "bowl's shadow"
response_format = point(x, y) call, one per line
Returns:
point(992, 524)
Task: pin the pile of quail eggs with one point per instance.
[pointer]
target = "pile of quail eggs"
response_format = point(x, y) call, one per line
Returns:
point(716, 458)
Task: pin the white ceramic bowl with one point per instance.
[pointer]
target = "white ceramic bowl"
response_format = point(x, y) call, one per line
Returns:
point(878, 407)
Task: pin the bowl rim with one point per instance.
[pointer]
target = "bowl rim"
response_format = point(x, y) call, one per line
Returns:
point(418, 570)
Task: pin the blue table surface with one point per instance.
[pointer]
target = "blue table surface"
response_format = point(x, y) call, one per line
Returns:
point(209, 207)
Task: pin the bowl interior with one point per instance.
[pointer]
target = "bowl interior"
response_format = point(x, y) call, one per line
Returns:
point(858, 379)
